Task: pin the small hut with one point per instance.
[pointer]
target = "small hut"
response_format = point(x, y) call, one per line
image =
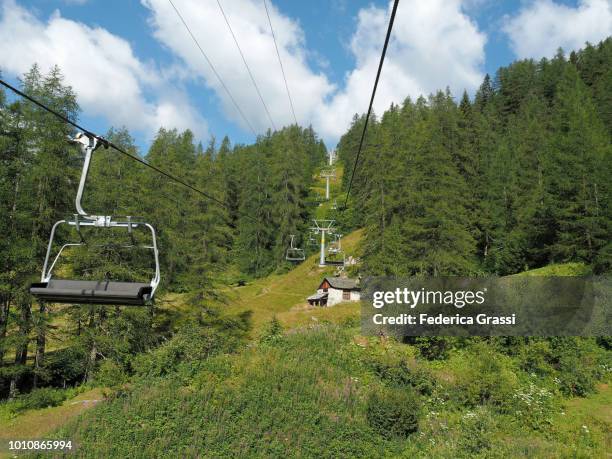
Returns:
point(334, 290)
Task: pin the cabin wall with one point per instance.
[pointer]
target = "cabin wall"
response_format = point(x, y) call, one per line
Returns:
point(334, 296)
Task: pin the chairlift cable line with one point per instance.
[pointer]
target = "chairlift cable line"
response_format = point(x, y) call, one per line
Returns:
point(246, 65)
point(213, 69)
point(365, 126)
point(110, 144)
point(280, 62)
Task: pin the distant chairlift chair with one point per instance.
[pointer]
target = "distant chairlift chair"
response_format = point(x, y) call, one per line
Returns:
point(337, 257)
point(293, 253)
point(95, 291)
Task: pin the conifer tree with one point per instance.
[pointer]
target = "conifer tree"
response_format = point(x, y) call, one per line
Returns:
point(578, 187)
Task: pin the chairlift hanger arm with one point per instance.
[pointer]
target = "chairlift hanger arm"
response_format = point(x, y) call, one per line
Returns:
point(88, 144)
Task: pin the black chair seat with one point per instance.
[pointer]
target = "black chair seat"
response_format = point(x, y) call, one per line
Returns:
point(92, 292)
point(334, 263)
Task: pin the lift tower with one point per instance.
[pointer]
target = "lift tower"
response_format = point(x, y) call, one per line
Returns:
point(321, 227)
point(327, 174)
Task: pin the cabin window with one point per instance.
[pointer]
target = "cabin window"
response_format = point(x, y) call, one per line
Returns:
point(346, 294)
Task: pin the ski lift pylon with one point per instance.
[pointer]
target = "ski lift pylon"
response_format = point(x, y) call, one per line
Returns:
point(95, 291)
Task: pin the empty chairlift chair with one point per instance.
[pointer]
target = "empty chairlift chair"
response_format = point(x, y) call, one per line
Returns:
point(95, 291)
point(335, 253)
point(293, 253)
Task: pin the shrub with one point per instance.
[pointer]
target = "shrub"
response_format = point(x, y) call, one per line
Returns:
point(603, 260)
point(110, 374)
point(476, 431)
point(65, 366)
point(535, 357)
point(605, 342)
point(393, 412)
point(191, 343)
point(533, 405)
point(434, 347)
point(401, 372)
point(194, 343)
point(274, 332)
point(483, 376)
point(577, 361)
point(40, 398)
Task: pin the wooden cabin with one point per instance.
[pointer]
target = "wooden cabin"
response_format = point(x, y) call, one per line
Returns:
point(334, 290)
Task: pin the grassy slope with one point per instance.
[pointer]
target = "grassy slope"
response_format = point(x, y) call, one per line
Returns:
point(284, 295)
point(302, 395)
point(307, 394)
point(563, 269)
point(36, 424)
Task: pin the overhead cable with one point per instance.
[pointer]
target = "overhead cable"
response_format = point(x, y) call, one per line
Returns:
point(365, 125)
point(280, 62)
point(247, 66)
point(110, 144)
point(242, 115)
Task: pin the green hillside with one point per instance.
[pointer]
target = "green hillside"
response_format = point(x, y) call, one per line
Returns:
point(317, 388)
point(284, 295)
point(322, 392)
point(311, 387)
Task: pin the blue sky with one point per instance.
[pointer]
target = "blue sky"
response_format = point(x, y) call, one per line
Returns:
point(132, 63)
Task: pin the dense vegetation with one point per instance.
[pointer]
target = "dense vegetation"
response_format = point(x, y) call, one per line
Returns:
point(515, 179)
point(265, 186)
point(319, 392)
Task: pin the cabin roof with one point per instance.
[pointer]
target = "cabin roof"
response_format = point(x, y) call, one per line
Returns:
point(341, 283)
point(317, 296)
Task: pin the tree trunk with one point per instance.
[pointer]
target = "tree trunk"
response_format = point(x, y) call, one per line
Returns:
point(40, 342)
point(91, 362)
point(5, 305)
point(93, 350)
point(13, 388)
point(21, 351)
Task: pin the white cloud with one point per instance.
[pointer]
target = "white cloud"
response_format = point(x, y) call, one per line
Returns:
point(250, 25)
point(434, 45)
point(101, 68)
point(542, 26)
